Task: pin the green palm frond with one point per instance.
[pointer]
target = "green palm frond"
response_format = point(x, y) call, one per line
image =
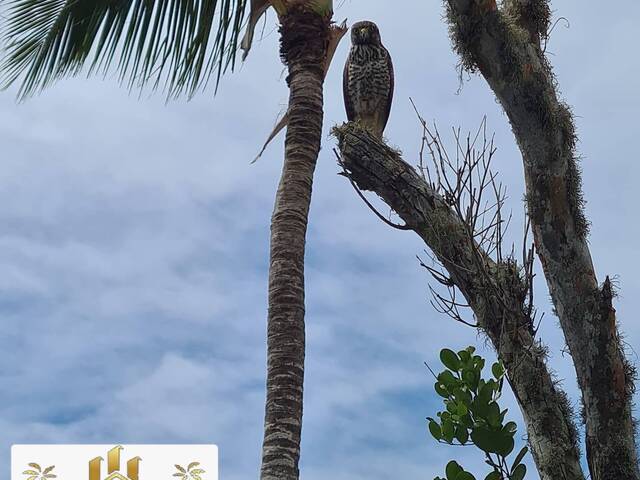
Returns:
point(174, 44)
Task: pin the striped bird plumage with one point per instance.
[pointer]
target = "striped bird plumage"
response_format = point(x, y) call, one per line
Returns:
point(368, 79)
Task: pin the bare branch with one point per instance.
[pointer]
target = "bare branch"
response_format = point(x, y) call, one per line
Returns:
point(364, 199)
point(496, 291)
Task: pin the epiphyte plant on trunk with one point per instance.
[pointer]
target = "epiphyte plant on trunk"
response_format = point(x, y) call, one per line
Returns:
point(179, 46)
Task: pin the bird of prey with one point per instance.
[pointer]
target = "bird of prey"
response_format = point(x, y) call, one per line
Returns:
point(368, 79)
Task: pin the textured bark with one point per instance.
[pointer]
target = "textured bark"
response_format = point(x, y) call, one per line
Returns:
point(503, 45)
point(495, 291)
point(304, 38)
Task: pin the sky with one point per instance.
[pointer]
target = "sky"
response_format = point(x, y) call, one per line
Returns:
point(134, 250)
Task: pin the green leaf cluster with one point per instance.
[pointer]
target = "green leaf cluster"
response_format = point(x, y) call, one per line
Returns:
point(472, 415)
point(179, 43)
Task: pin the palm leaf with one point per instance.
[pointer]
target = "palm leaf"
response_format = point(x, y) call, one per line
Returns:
point(174, 44)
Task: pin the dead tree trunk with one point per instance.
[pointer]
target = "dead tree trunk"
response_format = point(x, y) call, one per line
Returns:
point(496, 291)
point(504, 45)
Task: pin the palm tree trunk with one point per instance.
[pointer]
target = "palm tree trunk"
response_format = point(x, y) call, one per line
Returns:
point(304, 37)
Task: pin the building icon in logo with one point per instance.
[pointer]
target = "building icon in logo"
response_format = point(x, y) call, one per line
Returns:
point(113, 467)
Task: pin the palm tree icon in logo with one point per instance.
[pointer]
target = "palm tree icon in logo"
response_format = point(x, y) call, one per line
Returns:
point(36, 473)
point(190, 473)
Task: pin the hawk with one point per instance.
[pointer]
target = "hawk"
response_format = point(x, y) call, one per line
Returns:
point(368, 79)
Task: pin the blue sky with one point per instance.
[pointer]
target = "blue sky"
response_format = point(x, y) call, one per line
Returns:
point(134, 246)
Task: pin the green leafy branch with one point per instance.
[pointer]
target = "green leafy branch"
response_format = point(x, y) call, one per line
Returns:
point(472, 416)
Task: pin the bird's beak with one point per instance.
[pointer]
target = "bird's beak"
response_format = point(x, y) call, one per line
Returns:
point(363, 30)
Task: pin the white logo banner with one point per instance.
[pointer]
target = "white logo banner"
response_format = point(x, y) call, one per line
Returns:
point(114, 462)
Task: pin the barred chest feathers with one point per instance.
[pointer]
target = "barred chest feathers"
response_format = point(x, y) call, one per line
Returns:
point(369, 78)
